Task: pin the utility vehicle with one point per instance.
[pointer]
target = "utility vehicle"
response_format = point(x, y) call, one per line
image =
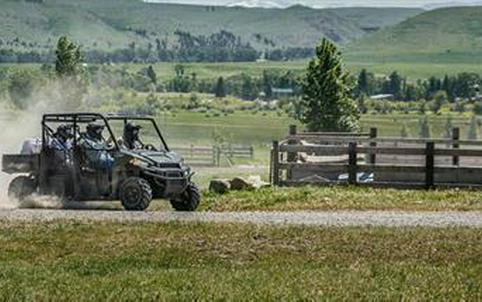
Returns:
point(135, 177)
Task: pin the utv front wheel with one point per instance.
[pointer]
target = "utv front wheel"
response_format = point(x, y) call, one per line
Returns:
point(135, 194)
point(21, 187)
point(189, 200)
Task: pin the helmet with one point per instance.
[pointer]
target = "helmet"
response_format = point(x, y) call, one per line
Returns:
point(64, 132)
point(131, 133)
point(94, 130)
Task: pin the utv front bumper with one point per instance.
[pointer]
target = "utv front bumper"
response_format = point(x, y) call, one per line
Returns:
point(173, 180)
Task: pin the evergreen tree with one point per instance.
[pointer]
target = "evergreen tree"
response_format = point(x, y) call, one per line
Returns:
point(473, 128)
point(68, 67)
point(152, 74)
point(220, 90)
point(267, 85)
point(395, 85)
point(424, 127)
point(363, 83)
point(69, 58)
point(326, 104)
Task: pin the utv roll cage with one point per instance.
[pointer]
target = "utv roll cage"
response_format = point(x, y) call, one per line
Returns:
point(75, 119)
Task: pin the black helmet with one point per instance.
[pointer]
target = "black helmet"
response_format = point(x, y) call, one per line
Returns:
point(94, 130)
point(131, 134)
point(64, 132)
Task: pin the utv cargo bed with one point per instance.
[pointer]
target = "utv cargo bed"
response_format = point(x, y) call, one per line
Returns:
point(20, 163)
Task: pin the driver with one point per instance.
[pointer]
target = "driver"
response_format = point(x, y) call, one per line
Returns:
point(131, 136)
point(95, 147)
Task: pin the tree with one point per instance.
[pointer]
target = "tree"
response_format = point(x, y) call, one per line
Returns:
point(440, 98)
point(151, 74)
point(473, 128)
point(394, 85)
point(22, 84)
point(326, 104)
point(363, 85)
point(424, 127)
point(69, 58)
point(68, 67)
point(220, 90)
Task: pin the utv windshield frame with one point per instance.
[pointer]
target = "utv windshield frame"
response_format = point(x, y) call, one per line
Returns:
point(75, 119)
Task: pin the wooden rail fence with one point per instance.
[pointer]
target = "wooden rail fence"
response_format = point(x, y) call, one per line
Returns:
point(396, 162)
point(211, 155)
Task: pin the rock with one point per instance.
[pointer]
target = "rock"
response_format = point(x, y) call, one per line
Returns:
point(219, 186)
point(239, 183)
point(257, 183)
point(253, 182)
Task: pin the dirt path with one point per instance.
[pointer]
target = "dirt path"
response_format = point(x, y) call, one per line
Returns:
point(340, 218)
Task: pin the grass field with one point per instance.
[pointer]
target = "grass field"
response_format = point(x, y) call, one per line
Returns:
point(245, 127)
point(116, 261)
point(344, 198)
point(413, 67)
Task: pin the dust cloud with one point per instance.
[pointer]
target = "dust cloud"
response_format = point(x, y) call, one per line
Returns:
point(17, 126)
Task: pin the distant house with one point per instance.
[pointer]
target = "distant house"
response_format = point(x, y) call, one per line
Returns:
point(382, 97)
point(281, 92)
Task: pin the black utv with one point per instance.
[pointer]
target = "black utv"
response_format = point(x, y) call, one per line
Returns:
point(135, 175)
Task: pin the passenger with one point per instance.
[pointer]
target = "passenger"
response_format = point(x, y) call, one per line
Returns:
point(131, 136)
point(95, 148)
point(62, 143)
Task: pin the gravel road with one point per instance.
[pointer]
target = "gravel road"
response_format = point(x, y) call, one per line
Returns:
point(339, 218)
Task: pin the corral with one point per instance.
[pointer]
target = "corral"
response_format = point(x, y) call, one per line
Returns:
point(363, 158)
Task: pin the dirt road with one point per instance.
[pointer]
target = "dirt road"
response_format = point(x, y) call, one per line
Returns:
point(340, 218)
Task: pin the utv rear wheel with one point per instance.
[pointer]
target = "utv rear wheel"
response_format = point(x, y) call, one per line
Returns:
point(135, 194)
point(21, 187)
point(189, 200)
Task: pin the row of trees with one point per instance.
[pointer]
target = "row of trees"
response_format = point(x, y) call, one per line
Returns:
point(222, 46)
point(462, 85)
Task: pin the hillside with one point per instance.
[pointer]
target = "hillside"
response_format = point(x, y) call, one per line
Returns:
point(443, 35)
point(112, 24)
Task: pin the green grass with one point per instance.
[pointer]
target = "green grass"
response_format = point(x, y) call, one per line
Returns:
point(245, 127)
point(115, 261)
point(448, 36)
point(343, 198)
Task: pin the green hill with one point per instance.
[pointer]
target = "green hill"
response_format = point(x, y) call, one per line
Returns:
point(111, 24)
point(449, 35)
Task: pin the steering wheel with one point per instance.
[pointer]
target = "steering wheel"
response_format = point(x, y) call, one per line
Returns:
point(150, 147)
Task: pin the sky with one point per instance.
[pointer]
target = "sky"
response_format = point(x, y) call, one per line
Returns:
point(336, 3)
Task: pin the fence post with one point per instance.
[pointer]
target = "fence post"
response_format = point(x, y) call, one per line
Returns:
point(214, 155)
point(373, 134)
point(429, 165)
point(352, 163)
point(455, 144)
point(275, 163)
point(291, 157)
point(191, 151)
point(251, 152)
point(218, 155)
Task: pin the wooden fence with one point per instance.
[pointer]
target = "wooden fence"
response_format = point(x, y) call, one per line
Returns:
point(364, 158)
point(212, 155)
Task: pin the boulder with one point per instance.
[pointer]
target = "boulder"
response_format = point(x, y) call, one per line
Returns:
point(257, 183)
point(239, 183)
point(253, 182)
point(219, 186)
